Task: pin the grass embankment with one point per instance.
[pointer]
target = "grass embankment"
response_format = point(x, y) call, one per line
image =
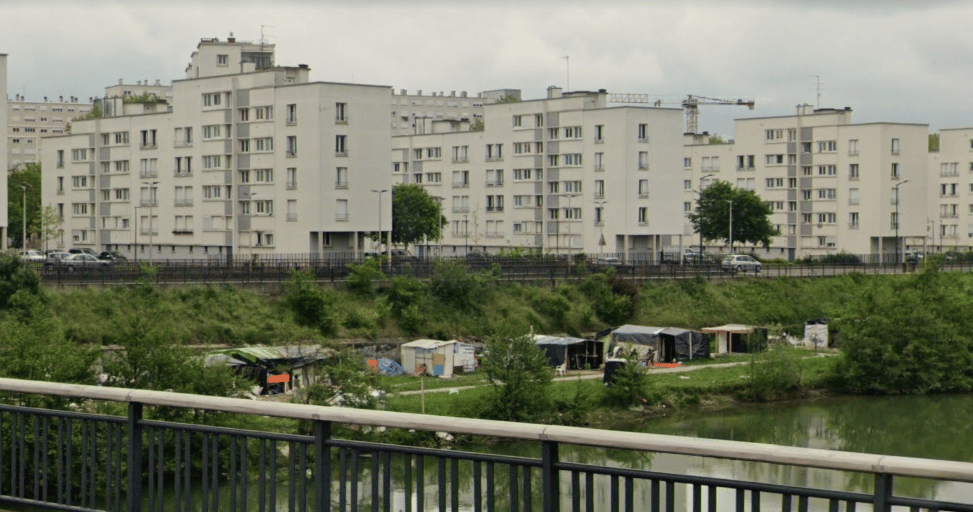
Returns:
point(707, 384)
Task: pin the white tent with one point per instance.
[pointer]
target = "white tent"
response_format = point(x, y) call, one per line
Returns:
point(438, 358)
point(725, 335)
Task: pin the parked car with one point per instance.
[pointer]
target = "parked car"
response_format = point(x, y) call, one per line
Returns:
point(84, 251)
point(75, 262)
point(112, 256)
point(55, 258)
point(741, 263)
point(31, 255)
point(913, 257)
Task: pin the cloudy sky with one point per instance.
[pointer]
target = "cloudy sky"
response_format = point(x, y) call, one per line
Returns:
point(891, 60)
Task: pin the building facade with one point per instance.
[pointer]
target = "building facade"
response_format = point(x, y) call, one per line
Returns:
point(833, 185)
point(412, 112)
point(30, 121)
point(949, 220)
point(240, 158)
point(561, 175)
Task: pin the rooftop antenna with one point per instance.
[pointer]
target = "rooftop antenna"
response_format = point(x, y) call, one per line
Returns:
point(567, 65)
point(818, 77)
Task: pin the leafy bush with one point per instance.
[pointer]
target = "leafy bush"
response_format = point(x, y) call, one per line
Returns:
point(629, 385)
point(16, 277)
point(310, 305)
point(452, 285)
point(361, 280)
point(520, 377)
point(778, 370)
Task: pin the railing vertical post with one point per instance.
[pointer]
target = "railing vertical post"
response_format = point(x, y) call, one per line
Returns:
point(134, 494)
point(549, 477)
point(883, 491)
point(322, 466)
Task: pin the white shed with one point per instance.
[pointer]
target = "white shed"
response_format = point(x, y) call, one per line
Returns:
point(438, 358)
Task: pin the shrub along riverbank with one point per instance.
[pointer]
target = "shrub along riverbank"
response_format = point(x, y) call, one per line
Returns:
point(898, 334)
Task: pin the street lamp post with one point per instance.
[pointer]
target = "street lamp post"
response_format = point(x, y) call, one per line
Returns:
point(23, 241)
point(466, 233)
point(151, 186)
point(898, 244)
point(699, 259)
point(731, 224)
point(380, 192)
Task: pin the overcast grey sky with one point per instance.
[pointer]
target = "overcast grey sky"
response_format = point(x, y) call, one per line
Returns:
point(892, 60)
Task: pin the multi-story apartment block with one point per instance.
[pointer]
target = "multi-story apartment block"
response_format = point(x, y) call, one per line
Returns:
point(3, 151)
point(832, 185)
point(407, 108)
point(949, 221)
point(559, 174)
point(240, 157)
point(29, 121)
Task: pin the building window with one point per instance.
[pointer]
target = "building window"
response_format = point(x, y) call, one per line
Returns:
point(643, 189)
point(341, 177)
point(341, 145)
point(853, 171)
point(292, 178)
point(643, 132)
point(895, 170)
point(643, 160)
point(895, 146)
point(292, 113)
point(643, 216)
point(340, 114)
point(292, 145)
point(222, 60)
point(341, 210)
point(599, 133)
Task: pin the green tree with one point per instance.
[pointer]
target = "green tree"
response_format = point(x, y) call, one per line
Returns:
point(477, 125)
point(751, 215)
point(520, 377)
point(52, 226)
point(19, 282)
point(415, 215)
point(716, 139)
point(629, 385)
point(31, 178)
point(310, 305)
point(933, 142)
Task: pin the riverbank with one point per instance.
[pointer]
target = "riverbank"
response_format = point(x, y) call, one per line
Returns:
point(722, 384)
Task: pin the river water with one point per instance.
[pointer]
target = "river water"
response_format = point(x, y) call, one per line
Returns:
point(934, 427)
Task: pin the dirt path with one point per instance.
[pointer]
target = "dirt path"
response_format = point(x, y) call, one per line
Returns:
point(588, 375)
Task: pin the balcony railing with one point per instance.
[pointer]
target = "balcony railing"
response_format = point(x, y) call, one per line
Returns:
point(148, 174)
point(341, 184)
point(291, 216)
point(494, 209)
point(341, 217)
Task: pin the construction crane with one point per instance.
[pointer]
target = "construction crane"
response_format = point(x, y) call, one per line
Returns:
point(690, 104)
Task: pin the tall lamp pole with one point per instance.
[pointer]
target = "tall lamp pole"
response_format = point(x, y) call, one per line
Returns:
point(151, 186)
point(23, 241)
point(898, 243)
point(699, 260)
point(731, 224)
point(380, 192)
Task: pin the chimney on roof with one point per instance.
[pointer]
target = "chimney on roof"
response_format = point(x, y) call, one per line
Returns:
point(45, 99)
point(60, 99)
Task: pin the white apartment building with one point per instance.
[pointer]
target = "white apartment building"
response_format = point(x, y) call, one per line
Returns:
point(949, 221)
point(29, 121)
point(832, 185)
point(3, 152)
point(558, 174)
point(407, 108)
point(241, 157)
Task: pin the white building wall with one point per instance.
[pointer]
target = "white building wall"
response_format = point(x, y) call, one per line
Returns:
point(554, 176)
point(829, 181)
point(266, 183)
point(949, 219)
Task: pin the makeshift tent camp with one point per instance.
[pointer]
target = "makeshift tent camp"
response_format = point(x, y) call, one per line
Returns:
point(816, 333)
point(577, 352)
point(666, 344)
point(737, 338)
point(269, 366)
point(437, 358)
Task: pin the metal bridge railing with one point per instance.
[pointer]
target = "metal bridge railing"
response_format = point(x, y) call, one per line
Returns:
point(67, 460)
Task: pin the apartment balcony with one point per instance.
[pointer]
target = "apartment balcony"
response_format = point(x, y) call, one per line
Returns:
point(341, 185)
point(148, 174)
point(341, 120)
point(494, 209)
